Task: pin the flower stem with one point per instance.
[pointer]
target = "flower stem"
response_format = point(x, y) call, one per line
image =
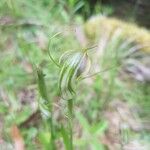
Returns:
point(70, 121)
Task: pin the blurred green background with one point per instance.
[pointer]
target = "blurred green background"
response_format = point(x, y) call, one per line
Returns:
point(112, 108)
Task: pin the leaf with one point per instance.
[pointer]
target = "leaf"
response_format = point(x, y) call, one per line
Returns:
point(83, 121)
point(44, 138)
point(97, 145)
point(79, 5)
point(99, 128)
point(66, 138)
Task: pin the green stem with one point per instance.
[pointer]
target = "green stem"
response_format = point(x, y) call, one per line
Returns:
point(70, 121)
point(52, 143)
point(47, 103)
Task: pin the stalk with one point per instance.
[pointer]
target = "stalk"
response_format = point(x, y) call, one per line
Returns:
point(52, 143)
point(46, 105)
point(70, 122)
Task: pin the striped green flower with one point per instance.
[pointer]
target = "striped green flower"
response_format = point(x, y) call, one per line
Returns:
point(73, 64)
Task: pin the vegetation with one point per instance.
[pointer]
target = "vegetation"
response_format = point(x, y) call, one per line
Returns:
point(140, 36)
point(70, 84)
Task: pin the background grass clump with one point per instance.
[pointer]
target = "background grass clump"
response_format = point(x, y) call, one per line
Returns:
point(97, 26)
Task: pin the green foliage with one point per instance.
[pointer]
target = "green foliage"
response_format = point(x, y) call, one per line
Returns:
point(46, 107)
point(100, 25)
point(88, 8)
point(92, 133)
point(66, 138)
point(44, 139)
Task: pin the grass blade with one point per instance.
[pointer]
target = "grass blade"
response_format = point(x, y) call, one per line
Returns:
point(65, 137)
